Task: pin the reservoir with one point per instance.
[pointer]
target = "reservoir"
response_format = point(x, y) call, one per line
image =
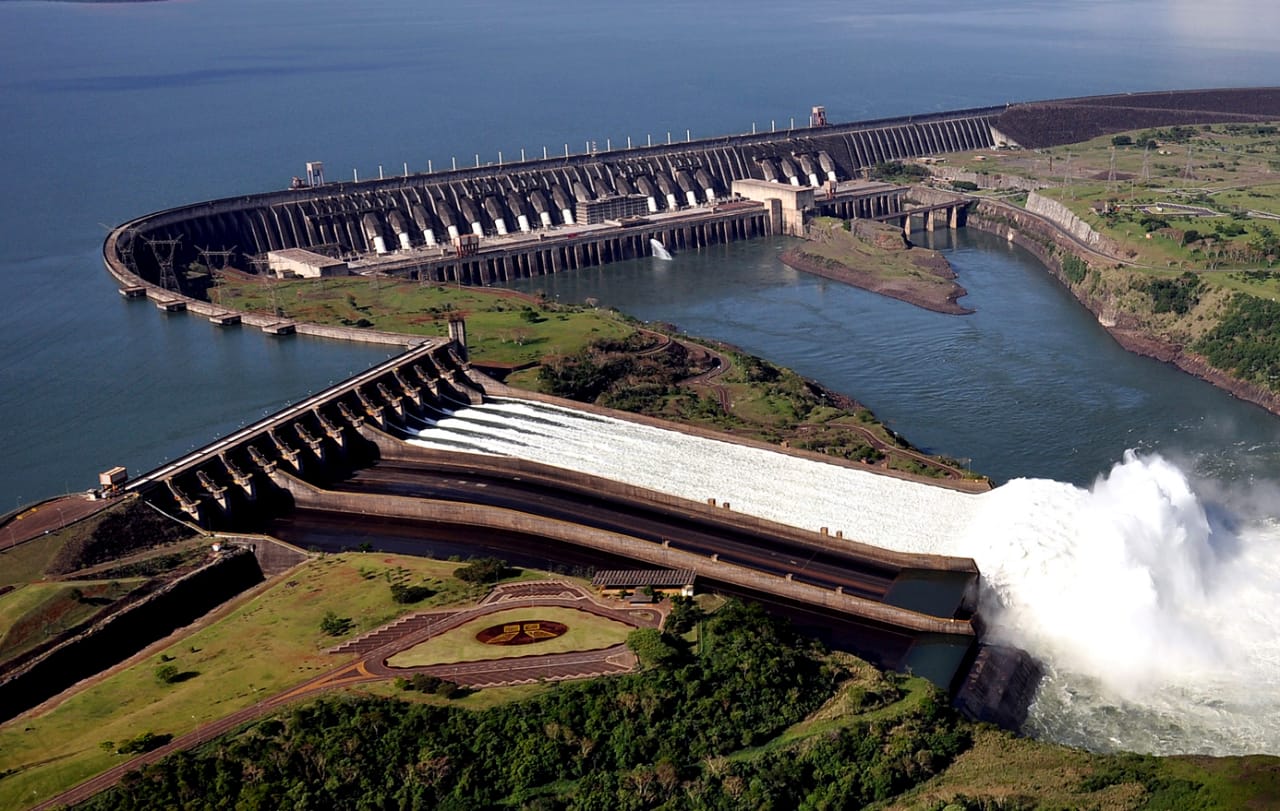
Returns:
point(113, 110)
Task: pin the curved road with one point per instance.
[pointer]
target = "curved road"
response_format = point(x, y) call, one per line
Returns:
point(371, 667)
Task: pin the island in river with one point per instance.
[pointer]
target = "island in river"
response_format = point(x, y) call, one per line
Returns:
point(877, 257)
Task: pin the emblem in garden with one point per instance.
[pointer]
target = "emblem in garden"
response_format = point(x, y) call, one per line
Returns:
point(522, 633)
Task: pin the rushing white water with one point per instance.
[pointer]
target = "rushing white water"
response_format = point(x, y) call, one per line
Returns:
point(1153, 619)
point(1150, 612)
point(659, 250)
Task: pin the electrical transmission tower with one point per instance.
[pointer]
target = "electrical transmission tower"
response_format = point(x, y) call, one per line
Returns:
point(165, 251)
point(1189, 172)
point(1066, 177)
point(1111, 175)
point(262, 268)
point(215, 262)
point(124, 248)
point(1146, 164)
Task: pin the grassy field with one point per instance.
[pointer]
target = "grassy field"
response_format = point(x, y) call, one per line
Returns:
point(1017, 772)
point(501, 326)
point(32, 613)
point(27, 561)
point(586, 632)
point(263, 645)
point(1232, 172)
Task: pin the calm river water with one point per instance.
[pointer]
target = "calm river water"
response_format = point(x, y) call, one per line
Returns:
point(1029, 385)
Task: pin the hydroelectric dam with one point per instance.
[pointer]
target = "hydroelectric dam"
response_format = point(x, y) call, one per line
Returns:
point(423, 454)
point(494, 222)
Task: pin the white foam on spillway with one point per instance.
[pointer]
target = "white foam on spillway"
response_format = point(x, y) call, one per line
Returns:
point(1154, 621)
point(804, 493)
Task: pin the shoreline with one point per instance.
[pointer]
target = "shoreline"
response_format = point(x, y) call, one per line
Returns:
point(1032, 233)
point(919, 295)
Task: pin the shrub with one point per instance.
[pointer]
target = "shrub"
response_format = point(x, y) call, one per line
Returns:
point(1074, 268)
point(333, 625)
point(403, 594)
point(143, 743)
point(1175, 295)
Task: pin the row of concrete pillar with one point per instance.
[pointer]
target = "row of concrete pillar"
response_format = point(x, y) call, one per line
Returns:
point(860, 208)
point(310, 440)
point(954, 215)
point(528, 260)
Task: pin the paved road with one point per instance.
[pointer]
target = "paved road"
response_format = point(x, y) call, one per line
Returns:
point(48, 516)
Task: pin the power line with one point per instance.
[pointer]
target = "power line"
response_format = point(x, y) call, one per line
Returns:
point(165, 250)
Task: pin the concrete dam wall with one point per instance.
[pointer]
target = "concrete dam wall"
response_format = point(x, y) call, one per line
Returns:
point(344, 454)
point(409, 224)
point(428, 210)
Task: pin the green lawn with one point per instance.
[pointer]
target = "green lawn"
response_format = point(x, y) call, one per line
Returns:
point(502, 327)
point(27, 561)
point(33, 613)
point(266, 644)
point(586, 632)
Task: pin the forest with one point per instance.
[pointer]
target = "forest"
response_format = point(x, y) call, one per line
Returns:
point(1246, 341)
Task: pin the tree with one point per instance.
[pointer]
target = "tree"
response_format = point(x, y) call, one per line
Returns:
point(333, 625)
point(685, 614)
point(652, 647)
point(482, 570)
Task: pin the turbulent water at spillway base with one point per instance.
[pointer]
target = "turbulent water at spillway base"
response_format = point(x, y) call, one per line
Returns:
point(1149, 609)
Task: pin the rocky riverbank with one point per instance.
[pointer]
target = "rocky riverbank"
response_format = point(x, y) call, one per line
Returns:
point(1050, 245)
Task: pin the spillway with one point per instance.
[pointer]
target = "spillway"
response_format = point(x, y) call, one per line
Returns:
point(867, 507)
point(1151, 613)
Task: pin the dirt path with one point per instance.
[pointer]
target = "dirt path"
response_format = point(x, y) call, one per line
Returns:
point(720, 364)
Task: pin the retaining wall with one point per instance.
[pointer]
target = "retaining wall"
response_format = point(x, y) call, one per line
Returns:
point(127, 631)
point(505, 520)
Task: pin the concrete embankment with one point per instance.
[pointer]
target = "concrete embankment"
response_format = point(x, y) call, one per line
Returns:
point(1051, 242)
point(86, 651)
point(480, 517)
point(620, 492)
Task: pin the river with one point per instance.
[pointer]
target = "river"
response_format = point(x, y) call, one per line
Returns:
point(114, 110)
